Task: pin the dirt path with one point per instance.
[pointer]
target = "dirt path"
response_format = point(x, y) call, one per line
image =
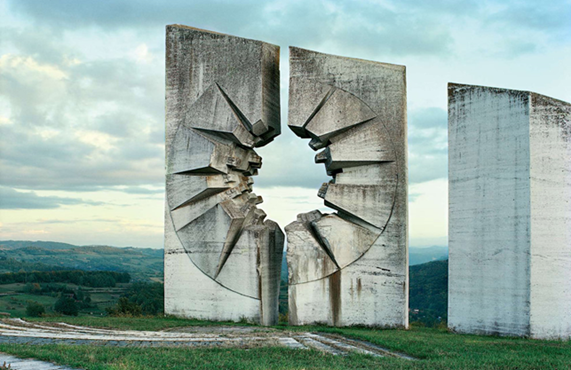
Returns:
point(27, 364)
point(18, 331)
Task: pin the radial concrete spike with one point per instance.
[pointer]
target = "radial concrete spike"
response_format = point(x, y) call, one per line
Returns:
point(235, 230)
point(245, 160)
point(324, 243)
point(370, 203)
point(213, 113)
point(323, 190)
point(309, 216)
point(307, 261)
point(192, 153)
point(306, 97)
point(305, 227)
point(263, 280)
point(346, 240)
point(236, 110)
point(240, 272)
point(308, 220)
point(205, 237)
point(254, 199)
point(365, 144)
point(183, 189)
point(339, 113)
point(182, 216)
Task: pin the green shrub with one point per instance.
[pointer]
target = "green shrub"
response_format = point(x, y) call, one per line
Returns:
point(125, 308)
point(66, 305)
point(35, 309)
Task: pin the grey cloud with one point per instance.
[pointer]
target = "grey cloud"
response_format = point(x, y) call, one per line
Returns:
point(133, 117)
point(427, 144)
point(53, 221)
point(13, 199)
point(408, 27)
point(140, 190)
point(63, 162)
point(302, 23)
point(144, 13)
point(551, 15)
point(116, 123)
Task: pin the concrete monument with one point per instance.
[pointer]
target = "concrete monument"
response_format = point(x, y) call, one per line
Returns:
point(351, 267)
point(510, 212)
point(222, 260)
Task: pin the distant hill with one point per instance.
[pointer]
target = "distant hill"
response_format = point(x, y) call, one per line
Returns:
point(16, 244)
point(429, 292)
point(417, 256)
point(141, 263)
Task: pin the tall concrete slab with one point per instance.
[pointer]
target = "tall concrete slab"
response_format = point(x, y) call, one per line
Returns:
point(351, 267)
point(510, 212)
point(222, 259)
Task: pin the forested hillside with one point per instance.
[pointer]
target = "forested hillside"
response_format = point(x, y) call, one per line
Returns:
point(429, 292)
point(142, 263)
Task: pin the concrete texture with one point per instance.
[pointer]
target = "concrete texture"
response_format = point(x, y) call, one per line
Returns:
point(510, 213)
point(222, 260)
point(351, 267)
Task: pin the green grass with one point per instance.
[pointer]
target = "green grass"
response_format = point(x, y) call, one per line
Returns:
point(16, 304)
point(99, 358)
point(14, 299)
point(436, 349)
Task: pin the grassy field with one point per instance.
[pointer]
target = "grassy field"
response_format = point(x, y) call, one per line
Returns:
point(435, 349)
point(14, 299)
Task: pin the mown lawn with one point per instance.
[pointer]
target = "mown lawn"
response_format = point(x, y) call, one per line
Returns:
point(435, 348)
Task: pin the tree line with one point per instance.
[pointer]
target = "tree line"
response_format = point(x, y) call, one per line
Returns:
point(95, 279)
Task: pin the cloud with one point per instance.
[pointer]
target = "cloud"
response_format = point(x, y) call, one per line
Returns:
point(141, 190)
point(370, 27)
point(14, 199)
point(80, 126)
point(302, 23)
point(427, 144)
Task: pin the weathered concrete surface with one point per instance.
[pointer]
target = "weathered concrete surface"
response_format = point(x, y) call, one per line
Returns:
point(351, 267)
point(510, 213)
point(222, 260)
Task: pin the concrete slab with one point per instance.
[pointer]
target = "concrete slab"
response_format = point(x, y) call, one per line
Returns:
point(351, 268)
point(222, 258)
point(509, 217)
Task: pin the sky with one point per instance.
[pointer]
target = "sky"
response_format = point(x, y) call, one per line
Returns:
point(82, 100)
